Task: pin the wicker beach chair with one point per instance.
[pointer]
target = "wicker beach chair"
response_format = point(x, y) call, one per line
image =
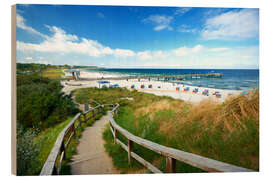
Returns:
point(205, 92)
point(186, 89)
point(195, 90)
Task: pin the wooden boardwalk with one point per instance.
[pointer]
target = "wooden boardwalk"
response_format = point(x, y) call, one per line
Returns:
point(91, 157)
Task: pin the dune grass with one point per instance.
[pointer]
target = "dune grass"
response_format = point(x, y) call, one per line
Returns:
point(53, 73)
point(227, 132)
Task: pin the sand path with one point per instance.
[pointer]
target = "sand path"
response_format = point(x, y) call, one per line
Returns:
point(91, 157)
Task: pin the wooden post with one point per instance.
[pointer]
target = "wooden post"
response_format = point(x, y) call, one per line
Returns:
point(84, 118)
point(93, 114)
point(79, 120)
point(115, 135)
point(63, 149)
point(130, 149)
point(73, 129)
point(170, 165)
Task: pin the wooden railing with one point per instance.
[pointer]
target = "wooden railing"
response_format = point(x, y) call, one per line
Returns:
point(171, 154)
point(54, 161)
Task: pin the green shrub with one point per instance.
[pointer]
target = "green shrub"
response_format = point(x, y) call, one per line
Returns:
point(40, 102)
point(27, 151)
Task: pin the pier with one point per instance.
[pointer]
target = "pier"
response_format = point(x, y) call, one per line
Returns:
point(160, 77)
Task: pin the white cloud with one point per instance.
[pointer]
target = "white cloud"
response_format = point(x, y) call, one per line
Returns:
point(184, 51)
point(145, 55)
point(28, 58)
point(160, 54)
point(160, 22)
point(233, 25)
point(21, 24)
point(61, 45)
point(217, 49)
point(123, 53)
point(181, 11)
point(62, 42)
point(197, 49)
point(186, 29)
point(152, 55)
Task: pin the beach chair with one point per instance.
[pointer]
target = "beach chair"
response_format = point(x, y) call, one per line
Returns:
point(132, 86)
point(150, 86)
point(217, 94)
point(177, 88)
point(114, 86)
point(142, 86)
point(243, 93)
point(205, 92)
point(186, 89)
point(195, 90)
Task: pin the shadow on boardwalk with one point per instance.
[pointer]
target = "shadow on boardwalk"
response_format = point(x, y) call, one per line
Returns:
point(91, 157)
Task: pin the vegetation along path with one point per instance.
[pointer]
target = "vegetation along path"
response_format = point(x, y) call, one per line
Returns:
point(91, 157)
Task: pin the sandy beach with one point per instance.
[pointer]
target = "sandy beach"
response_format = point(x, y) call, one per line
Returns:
point(176, 91)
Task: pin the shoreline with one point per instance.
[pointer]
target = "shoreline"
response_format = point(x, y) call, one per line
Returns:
point(159, 88)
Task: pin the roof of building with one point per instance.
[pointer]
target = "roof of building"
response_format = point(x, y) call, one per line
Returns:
point(103, 82)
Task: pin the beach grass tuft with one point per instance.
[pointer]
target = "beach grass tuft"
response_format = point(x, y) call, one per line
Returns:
point(53, 73)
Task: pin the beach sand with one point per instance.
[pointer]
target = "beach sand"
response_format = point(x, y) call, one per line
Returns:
point(158, 88)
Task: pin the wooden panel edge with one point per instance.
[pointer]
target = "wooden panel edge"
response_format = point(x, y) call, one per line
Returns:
point(13, 91)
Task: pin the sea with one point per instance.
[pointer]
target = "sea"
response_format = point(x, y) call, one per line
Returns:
point(233, 79)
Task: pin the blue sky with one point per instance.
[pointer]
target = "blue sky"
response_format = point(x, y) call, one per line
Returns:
point(138, 37)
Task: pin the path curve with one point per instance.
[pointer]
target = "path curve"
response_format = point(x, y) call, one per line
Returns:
point(91, 157)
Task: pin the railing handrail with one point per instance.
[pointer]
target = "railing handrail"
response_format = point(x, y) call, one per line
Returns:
point(92, 109)
point(201, 162)
point(59, 147)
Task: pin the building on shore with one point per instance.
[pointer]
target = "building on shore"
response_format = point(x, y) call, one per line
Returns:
point(74, 73)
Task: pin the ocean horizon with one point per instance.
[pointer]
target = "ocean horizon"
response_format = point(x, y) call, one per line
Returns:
point(232, 79)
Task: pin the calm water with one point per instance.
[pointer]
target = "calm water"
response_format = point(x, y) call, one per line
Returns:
point(235, 79)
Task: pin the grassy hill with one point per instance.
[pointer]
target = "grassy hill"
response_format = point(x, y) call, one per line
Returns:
point(227, 132)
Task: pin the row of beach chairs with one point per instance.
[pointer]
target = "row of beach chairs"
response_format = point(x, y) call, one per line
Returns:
point(142, 86)
point(205, 92)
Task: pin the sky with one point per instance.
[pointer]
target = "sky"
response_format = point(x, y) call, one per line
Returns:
point(138, 37)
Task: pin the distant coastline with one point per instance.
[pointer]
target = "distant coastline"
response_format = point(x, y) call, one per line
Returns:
point(234, 79)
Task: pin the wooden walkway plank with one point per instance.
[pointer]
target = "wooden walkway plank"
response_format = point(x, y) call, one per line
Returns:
point(91, 157)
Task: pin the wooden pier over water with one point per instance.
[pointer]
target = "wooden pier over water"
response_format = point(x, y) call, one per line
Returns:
point(161, 77)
